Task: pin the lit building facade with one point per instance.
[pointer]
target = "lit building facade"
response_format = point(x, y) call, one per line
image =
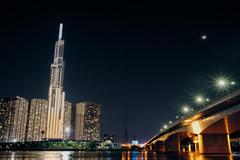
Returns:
point(87, 124)
point(13, 119)
point(67, 120)
point(37, 120)
point(56, 95)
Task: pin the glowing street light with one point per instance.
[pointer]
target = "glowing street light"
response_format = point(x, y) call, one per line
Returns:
point(233, 83)
point(199, 99)
point(170, 122)
point(207, 99)
point(223, 82)
point(165, 126)
point(185, 109)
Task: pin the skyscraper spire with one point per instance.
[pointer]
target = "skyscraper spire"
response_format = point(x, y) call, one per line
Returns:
point(60, 31)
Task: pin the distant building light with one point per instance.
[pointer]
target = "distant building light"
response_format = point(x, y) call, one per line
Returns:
point(67, 130)
point(134, 142)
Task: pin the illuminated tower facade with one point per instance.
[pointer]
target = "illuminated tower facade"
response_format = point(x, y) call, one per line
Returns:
point(56, 95)
point(13, 119)
point(37, 120)
point(87, 124)
point(67, 120)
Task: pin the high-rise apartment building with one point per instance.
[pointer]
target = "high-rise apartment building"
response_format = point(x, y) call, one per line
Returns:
point(67, 120)
point(56, 95)
point(37, 120)
point(87, 124)
point(13, 119)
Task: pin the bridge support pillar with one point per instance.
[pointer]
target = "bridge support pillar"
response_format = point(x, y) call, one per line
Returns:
point(172, 144)
point(214, 143)
point(159, 146)
point(196, 147)
point(162, 148)
point(151, 148)
point(148, 147)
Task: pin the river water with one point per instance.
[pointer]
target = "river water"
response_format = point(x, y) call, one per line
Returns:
point(65, 155)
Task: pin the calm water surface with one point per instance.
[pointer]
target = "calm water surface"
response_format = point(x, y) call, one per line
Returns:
point(65, 155)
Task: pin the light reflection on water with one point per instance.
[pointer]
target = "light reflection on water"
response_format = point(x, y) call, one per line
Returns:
point(82, 155)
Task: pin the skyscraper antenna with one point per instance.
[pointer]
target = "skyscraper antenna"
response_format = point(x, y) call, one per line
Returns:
point(60, 31)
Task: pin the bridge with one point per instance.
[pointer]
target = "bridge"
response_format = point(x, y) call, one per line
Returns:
point(209, 130)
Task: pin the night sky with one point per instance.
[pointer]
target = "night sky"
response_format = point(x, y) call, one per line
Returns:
point(146, 58)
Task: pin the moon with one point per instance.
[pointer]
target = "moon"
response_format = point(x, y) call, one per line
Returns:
point(204, 37)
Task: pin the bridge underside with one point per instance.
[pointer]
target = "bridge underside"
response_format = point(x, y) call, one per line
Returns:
point(214, 143)
point(214, 138)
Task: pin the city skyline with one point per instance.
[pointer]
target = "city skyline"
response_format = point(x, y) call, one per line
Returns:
point(140, 55)
point(49, 120)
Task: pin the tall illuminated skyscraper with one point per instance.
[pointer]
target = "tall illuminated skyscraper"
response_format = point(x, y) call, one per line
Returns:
point(56, 95)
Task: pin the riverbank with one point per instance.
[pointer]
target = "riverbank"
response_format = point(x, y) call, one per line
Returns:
point(64, 146)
